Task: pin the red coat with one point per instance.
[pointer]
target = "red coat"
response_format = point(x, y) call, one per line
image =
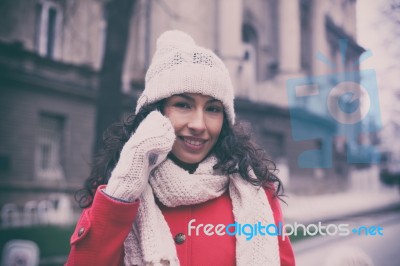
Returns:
point(101, 230)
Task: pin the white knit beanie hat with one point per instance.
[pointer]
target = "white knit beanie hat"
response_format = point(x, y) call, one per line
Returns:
point(180, 66)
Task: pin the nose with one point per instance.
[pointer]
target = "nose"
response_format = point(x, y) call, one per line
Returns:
point(197, 123)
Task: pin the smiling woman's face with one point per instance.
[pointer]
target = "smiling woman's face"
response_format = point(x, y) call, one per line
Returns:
point(197, 120)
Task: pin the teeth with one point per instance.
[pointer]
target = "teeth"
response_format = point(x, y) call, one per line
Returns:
point(193, 142)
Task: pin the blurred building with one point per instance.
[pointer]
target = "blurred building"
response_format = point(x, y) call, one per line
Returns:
point(264, 43)
point(51, 53)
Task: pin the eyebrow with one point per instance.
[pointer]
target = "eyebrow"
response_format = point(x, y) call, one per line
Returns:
point(187, 97)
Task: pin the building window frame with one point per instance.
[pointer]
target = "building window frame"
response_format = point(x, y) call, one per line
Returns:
point(49, 147)
point(49, 17)
point(250, 48)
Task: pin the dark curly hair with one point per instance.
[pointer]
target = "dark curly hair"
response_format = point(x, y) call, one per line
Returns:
point(235, 152)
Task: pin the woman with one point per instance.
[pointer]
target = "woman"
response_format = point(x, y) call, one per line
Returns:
point(179, 174)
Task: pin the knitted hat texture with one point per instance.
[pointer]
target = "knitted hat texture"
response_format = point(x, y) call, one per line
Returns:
point(181, 66)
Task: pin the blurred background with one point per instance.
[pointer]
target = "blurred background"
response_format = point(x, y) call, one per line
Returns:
point(69, 68)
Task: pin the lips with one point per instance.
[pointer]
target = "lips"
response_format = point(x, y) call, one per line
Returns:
point(193, 143)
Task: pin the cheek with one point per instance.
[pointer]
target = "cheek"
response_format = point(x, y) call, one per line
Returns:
point(215, 128)
point(175, 119)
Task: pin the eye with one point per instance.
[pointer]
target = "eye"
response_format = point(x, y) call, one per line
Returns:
point(182, 105)
point(214, 109)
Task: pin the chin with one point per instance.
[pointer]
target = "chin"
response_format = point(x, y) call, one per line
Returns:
point(190, 159)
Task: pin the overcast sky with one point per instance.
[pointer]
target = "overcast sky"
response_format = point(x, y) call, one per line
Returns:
point(375, 32)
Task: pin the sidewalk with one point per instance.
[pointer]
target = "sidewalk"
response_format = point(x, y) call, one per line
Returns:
point(312, 209)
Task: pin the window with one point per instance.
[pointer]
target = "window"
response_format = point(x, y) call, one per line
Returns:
point(103, 33)
point(48, 159)
point(250, 43)
point(247, 71)
point(48, 28)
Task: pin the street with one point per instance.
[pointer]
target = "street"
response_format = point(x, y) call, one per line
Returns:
point(383, 249)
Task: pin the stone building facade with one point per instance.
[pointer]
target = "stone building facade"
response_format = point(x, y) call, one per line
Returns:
point(51, 54)
point(264, 43)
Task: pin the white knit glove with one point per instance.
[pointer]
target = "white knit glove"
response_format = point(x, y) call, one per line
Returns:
point(145, 149)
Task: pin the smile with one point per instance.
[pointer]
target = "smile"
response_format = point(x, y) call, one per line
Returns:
point(192, 143)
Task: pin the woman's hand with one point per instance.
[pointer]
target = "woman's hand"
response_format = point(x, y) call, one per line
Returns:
point(145, 149)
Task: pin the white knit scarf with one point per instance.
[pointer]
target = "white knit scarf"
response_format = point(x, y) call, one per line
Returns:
point(150, 241)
